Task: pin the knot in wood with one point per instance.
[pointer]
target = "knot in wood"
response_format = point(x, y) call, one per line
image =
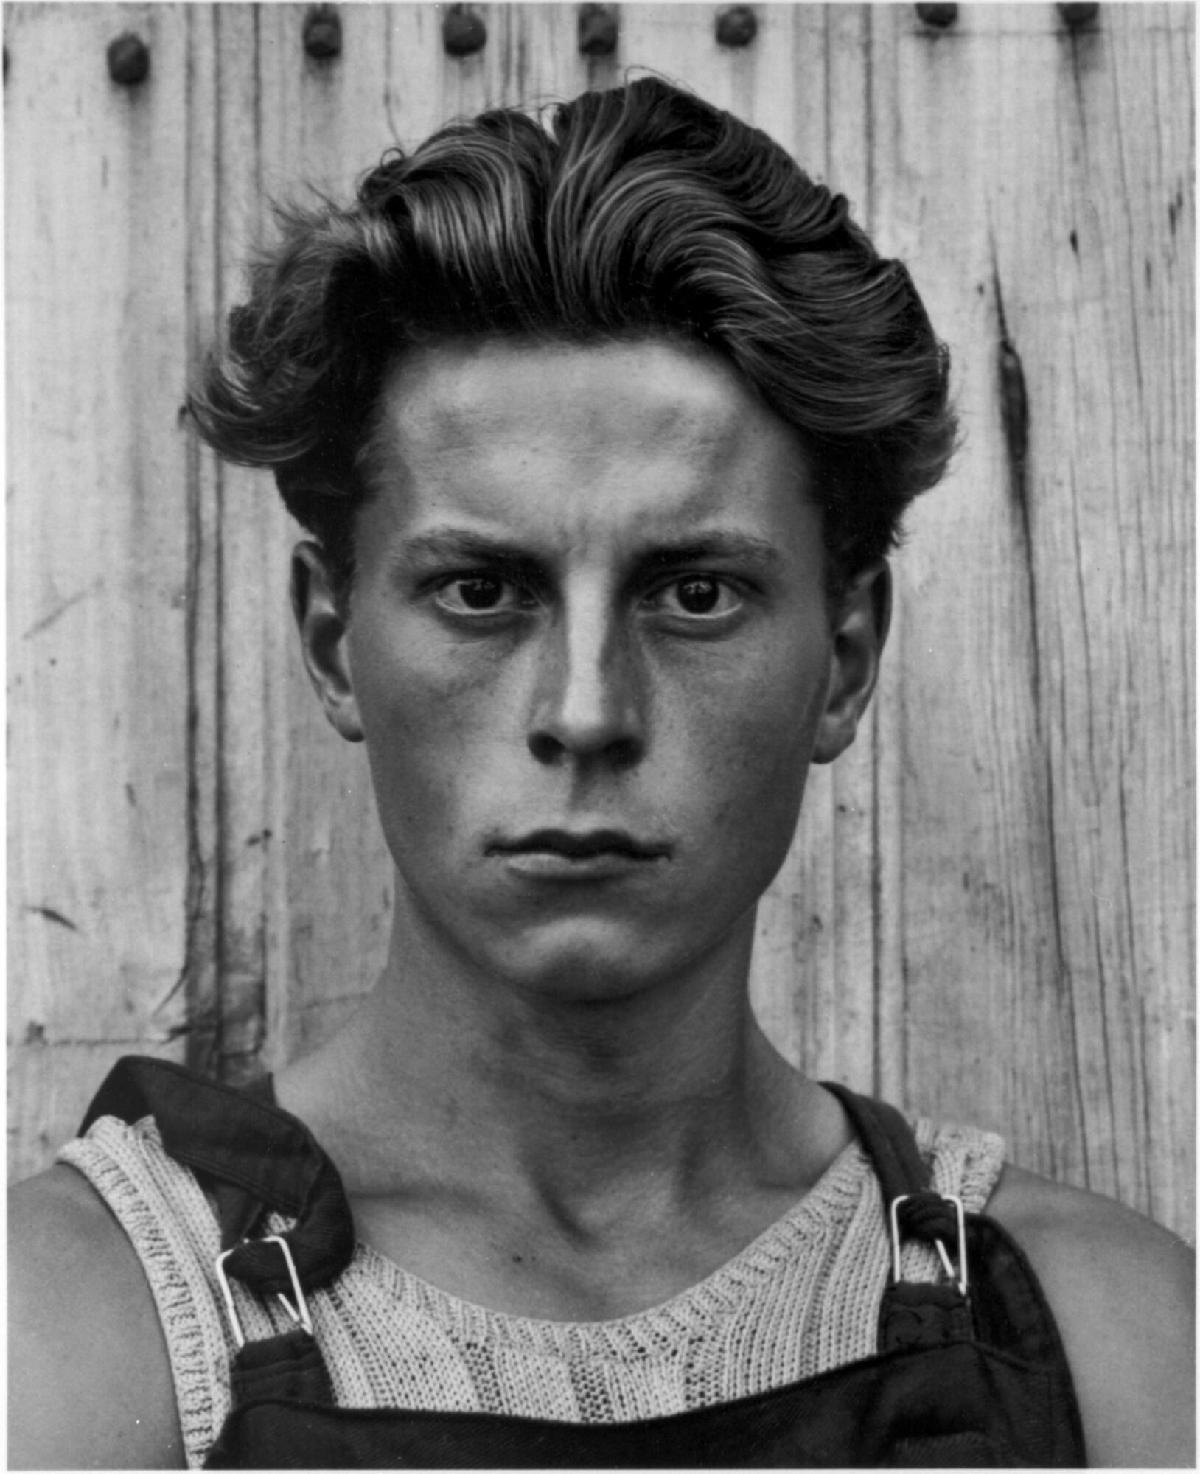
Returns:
point(323, 33)
point(463, 31)
point(597, 30)
point(939, 16)
point(128, 59)
point(737, 26)
point(1079, 15)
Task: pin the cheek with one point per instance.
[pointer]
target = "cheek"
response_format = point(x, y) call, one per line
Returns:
point(760, 763)
point(740, 795)
point(406, 682)
point(755, 718)
point(759, 751)
point(432, 718)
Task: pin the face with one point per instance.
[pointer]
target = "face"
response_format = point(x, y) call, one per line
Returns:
point(590, 652)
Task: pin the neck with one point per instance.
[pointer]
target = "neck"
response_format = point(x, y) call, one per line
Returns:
point(444, 1072)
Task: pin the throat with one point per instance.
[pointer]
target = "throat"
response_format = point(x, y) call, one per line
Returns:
point(523, 1264)
point(517, 1173)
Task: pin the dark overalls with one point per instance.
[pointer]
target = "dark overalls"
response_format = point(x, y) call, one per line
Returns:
point(968, 1371)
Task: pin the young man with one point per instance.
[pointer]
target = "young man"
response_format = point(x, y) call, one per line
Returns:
point(602, 431)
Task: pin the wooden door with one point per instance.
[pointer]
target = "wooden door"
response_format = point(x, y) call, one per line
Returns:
point(988, 910)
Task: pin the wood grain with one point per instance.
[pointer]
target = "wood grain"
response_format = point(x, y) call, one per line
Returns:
point(988, 911)
point(97, 491)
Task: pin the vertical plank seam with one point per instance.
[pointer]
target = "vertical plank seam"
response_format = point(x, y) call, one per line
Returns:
point(196, 876)
point(216, 1034)
point(1014, 421)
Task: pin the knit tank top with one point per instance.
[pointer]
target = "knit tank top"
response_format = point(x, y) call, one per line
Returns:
point(802, 1298)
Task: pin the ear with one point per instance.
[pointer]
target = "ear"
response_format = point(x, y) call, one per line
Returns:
point(860, 629)
point(323, 622)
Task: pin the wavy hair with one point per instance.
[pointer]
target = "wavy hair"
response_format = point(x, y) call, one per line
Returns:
point(637, 211)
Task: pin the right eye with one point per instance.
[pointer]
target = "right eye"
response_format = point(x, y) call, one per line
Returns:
point(481, 593)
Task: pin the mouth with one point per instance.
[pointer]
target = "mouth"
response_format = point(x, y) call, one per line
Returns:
point(594, 853)
point(584, 846)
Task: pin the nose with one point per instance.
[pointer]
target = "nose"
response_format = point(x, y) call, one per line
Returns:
point(588, 702)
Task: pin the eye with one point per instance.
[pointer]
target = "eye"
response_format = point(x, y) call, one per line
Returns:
point(698, 596)
point(482, 593)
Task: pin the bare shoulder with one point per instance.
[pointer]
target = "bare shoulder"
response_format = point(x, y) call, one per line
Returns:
point(89, 1379)
point(1122, 1291)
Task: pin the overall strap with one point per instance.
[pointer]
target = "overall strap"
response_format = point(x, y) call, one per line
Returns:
point(887, 1139)
point(255, 1157)
point(913, 1313)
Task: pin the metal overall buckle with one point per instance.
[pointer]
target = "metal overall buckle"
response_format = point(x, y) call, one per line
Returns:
point(298, 1311)
point(959, 1276)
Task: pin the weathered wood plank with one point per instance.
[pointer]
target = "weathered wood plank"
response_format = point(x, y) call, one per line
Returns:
point(322, 123)
point(248, 586)
point(988, 909)
point(1027, 724)
point(96, 333)
point(814, 977)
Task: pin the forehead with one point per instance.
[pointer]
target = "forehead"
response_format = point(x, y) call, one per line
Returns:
point(600, 434)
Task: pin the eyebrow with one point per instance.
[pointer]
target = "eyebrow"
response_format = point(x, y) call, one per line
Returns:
point(452, 542)
point(718, 545)
point(734, 547)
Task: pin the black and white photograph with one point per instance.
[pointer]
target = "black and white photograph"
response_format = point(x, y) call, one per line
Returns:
point(601, 709)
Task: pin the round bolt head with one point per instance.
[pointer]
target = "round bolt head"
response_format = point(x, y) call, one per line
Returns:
point(323, 33)
point(128, 59)
point(597, 30)
point(1079, 15)
point(737, 26)
point(463, 32)
point(940, 16)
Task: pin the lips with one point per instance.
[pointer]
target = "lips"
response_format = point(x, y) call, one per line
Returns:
point(558, 857)
point(582, 846)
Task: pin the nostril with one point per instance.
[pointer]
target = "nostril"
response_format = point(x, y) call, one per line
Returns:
point(545, 749)
point(625, 753)
point(620, 752)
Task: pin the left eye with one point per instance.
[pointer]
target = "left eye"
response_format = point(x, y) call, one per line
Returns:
point(697, 595)
point(481, 593)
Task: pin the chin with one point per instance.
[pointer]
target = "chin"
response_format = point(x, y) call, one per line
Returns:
point(592, 962)
point(579, 963)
